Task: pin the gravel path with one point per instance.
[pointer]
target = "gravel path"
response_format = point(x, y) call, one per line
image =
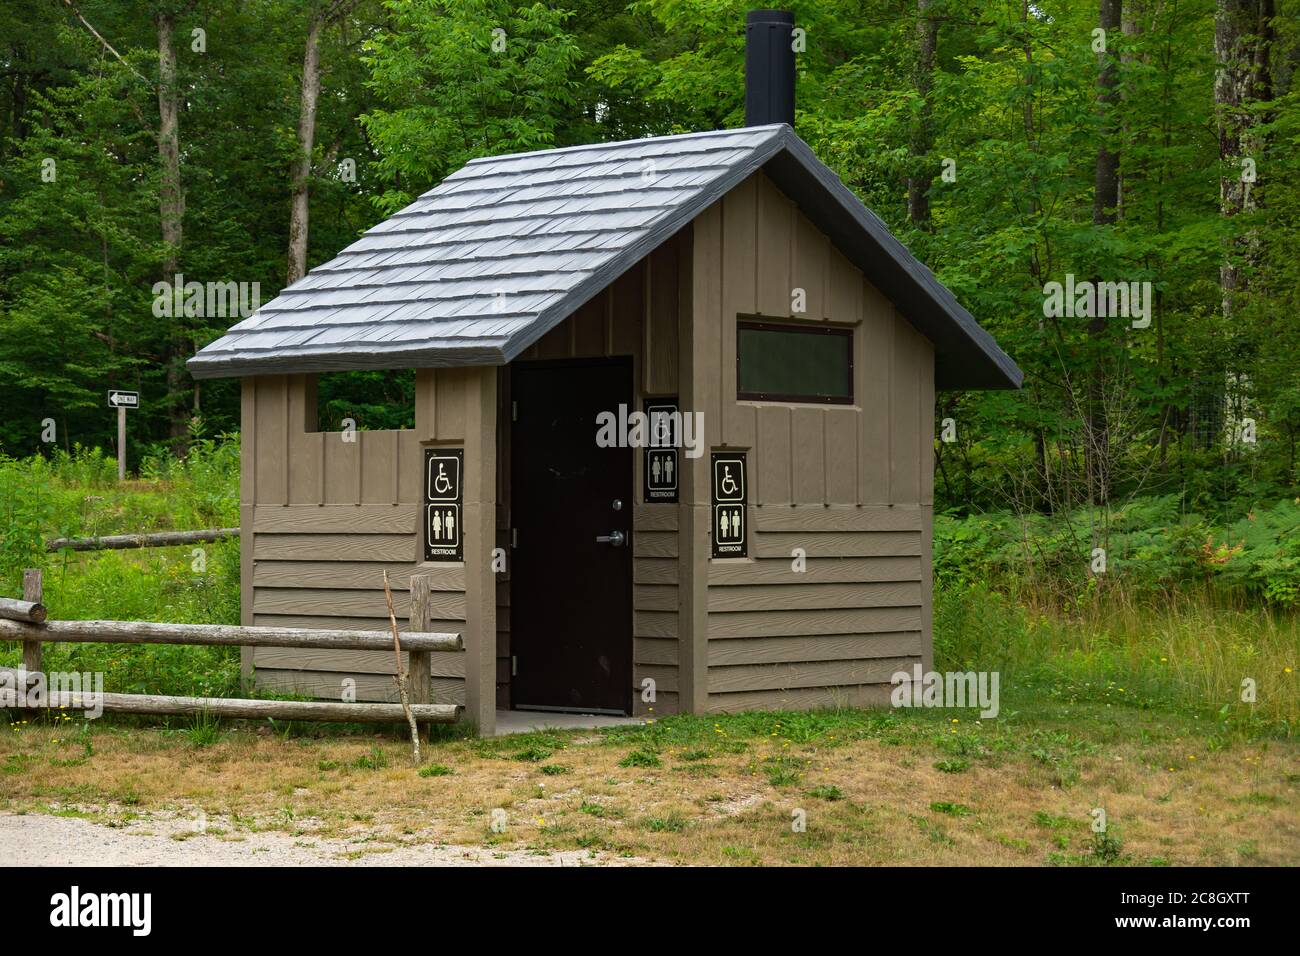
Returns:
point(40, 840)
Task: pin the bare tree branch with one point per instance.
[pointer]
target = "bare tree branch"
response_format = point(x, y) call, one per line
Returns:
point(107, 46)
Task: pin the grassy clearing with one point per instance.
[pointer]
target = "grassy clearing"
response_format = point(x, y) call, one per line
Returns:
point(918, 787)
point(1188, 652)
point(78, 495)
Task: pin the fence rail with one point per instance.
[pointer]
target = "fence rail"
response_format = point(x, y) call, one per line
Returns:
point(243, 708)
point(148, 632)
point(18, 623)
point(153, 539)
point(28, 611)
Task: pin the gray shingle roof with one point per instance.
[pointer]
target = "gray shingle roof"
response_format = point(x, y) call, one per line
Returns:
point(487, 262)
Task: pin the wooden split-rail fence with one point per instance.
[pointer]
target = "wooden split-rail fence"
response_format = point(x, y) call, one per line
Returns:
point(26, 621)
point(151, 539)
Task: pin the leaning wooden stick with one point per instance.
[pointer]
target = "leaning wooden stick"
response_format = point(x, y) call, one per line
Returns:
point(402, 690)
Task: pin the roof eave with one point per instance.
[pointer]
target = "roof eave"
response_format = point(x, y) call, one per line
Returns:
point(441, 356)
point(966, 356)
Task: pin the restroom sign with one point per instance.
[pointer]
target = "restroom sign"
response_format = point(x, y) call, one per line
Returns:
point(662, 459)
point(443, 500)
point(730, 520)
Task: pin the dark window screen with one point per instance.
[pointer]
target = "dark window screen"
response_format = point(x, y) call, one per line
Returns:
point(782, 363)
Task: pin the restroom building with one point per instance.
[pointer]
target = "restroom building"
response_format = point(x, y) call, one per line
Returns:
point(752, 531)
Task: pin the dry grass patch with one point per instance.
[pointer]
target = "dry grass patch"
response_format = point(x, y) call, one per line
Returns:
point(872, 788)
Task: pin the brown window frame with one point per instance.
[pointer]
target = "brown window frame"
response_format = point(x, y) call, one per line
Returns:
point(838, 330)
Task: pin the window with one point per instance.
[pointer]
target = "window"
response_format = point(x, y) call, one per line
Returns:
point(791, 363)
point(374, 400)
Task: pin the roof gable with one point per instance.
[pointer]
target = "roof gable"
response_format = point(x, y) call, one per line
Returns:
point(482, 266)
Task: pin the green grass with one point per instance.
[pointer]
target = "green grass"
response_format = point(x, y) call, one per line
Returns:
point(78, 496)
point(1073, 641)
point(639, 758)
point(1188, 652)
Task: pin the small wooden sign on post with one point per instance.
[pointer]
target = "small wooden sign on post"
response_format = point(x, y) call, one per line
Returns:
point(122, 400)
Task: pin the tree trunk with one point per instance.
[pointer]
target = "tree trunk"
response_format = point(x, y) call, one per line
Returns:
point(1242, 42)
point(1105, 196)
point(171, 214)
point(301, 174)
point(922, 177)
point(1105, 202)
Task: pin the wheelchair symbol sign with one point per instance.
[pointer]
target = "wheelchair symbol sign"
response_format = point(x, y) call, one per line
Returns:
point(662, 463)
point(729, 479)
point(443, 478)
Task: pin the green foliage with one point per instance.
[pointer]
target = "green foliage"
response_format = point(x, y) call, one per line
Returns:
point(77, 495)
point(1185, 651)
point(375, 759)
point(462, 79)
point(640, 758)
point(374, 400)
point(25, 513)
point(1151, 546)
point(827, 791)
point(533, 754)
point(413, 89)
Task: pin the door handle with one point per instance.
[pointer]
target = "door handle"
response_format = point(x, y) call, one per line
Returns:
point(616, 538)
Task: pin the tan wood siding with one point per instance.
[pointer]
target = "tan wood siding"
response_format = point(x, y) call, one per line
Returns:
point(847, 488)
point(329, 685)
point(325, 518)
point(753, 249)
point(804, 698)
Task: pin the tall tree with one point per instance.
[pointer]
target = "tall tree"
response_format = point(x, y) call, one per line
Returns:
point(171, 214)
point(320, 19)
point(1243, 35)
point(464, 79)
point(921, 178)
point(1105, 204)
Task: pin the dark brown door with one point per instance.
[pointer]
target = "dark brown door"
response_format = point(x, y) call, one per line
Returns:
point(570, 594)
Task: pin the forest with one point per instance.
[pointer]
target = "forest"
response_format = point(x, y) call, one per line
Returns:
point(1018, 148)
point(1109, 188)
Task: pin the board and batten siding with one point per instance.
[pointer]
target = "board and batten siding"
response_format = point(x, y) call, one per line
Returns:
point(328, 517)
point(849, 485)
point(637, 316)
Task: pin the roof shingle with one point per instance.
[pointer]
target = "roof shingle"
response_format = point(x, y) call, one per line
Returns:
point(480, 267)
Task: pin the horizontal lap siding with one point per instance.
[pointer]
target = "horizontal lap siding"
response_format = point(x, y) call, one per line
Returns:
point(325, 520)
point(781, 638)
point(846, 487)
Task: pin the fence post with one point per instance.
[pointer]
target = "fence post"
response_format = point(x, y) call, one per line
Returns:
point(32, 593)
point(419, 661)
